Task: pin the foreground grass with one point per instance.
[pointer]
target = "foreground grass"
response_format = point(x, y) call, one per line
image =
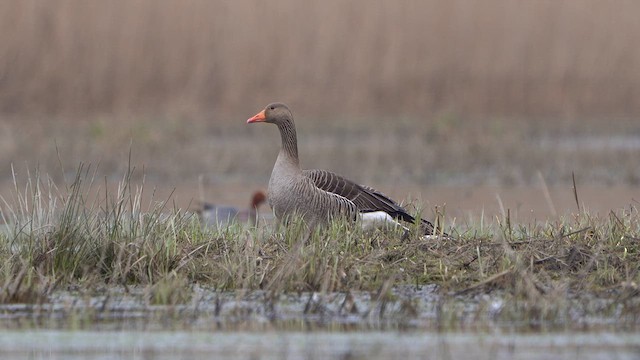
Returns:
point(82, 236)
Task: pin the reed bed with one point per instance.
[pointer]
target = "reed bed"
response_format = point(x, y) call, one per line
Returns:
point(538, 58)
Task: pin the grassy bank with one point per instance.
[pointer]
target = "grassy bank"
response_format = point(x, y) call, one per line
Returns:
point(79, 235)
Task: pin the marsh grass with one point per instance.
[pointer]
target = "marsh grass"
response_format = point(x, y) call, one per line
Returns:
point(81, 235)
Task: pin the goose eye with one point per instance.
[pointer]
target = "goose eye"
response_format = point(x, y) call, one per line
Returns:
point(272, 107)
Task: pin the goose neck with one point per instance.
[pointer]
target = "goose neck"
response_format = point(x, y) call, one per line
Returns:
point(289, 140)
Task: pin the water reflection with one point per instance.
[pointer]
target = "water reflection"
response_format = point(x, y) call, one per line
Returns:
point(323, 345)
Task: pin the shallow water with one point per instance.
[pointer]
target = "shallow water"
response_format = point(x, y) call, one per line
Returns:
point(114, 323)
point(314, 345)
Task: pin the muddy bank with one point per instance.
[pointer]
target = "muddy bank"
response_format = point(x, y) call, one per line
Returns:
point(409, 308)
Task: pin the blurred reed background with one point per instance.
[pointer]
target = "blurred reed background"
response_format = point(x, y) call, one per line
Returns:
point(461, 93)
point(546, 57)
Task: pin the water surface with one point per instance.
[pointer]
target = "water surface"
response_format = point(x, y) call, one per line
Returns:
point(310, 345)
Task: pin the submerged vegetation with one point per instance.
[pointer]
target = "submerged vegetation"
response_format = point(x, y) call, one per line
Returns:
point(81, 236)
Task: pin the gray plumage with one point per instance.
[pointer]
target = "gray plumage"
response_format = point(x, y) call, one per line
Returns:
point(318, 195)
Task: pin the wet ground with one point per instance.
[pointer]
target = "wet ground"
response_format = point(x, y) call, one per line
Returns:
point(415, 322)
point(406, 308)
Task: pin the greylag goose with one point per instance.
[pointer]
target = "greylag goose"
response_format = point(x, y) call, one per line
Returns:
point(319, 195)
point(221, 216)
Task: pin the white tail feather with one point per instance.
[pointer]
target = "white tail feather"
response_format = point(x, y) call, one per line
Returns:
point(377, 220)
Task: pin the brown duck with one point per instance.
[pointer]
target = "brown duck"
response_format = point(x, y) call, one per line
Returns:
point(319, 195)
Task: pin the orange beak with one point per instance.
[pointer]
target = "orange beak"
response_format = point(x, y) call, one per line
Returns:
point(259, 117)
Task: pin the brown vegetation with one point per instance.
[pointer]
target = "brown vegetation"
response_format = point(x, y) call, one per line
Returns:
point(87, 238)
point(558, 58)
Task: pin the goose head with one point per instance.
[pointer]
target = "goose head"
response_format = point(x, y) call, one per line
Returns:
point(275, 113)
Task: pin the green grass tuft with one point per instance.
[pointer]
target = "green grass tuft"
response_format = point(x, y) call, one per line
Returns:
point(80, 235)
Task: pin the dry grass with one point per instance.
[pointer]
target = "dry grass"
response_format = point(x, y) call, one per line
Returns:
point(82, 235)
point(98, 248)
point(352, 57)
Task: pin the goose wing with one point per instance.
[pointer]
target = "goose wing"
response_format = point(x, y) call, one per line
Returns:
point(365, 198)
